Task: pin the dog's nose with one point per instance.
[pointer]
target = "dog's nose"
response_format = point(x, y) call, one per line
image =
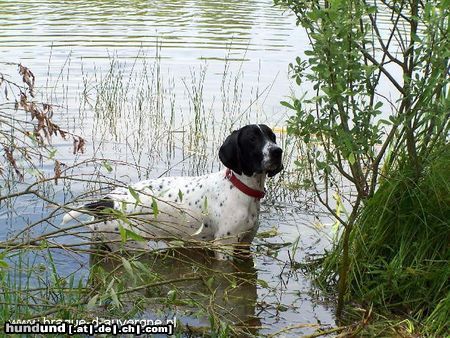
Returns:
point(276, 152)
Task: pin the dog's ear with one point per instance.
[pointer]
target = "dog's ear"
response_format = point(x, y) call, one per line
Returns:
point(230, 152)
point(269, 132)
point(271, 173)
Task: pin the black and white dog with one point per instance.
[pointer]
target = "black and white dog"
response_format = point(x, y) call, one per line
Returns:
point(222, 206)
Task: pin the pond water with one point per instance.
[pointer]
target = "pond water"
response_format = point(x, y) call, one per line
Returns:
point(159, 84)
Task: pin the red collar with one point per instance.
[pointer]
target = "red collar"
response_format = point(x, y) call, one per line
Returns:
point(243, 187)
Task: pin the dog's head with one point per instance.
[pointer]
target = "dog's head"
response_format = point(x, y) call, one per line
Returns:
point(252, 150)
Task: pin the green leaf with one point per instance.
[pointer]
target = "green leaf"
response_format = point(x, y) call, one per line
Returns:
point(92, 302)
point(180, 195)
point(133, 235)
point(386, 122)
point(268, 233)
point(351, 158)
point(371, 9)
point(135, 195)
point(155, 208)
point(123, 233)
point(107, 166)
point(287, 104)
point(394, 119)
point(3, 264)
point(176, 243)
point(378, 105)
point(126, 264)
point(263, 283)
point(114, 297)
point(52, 153)
point(172, 295)
point(282, 308)
point(205, 204)
point(314, 15)
point(210, 283)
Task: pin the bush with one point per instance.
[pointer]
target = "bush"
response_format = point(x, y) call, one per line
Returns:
point(376, 126)
point(399, 249)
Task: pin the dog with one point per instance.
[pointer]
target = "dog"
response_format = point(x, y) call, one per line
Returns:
point(222, 207)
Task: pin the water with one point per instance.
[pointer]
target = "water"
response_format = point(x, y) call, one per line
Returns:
point(159, 84)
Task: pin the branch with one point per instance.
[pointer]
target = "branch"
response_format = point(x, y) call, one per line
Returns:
point(381, 67)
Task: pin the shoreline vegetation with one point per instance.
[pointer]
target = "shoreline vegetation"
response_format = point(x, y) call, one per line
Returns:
point(380, 112)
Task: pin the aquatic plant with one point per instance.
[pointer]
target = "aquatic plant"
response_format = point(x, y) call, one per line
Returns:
point(34, 279)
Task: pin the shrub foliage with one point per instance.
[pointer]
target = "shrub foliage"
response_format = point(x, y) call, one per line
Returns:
point(376, 123)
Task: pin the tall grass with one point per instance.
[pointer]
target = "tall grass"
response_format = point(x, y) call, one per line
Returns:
point(399, 254)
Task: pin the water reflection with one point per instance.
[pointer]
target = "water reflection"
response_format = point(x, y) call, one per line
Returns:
point(224, 289)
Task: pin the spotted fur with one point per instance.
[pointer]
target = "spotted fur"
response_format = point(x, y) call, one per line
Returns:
point(205, 207)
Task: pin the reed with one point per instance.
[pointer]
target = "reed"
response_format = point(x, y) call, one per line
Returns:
point(34, 280)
